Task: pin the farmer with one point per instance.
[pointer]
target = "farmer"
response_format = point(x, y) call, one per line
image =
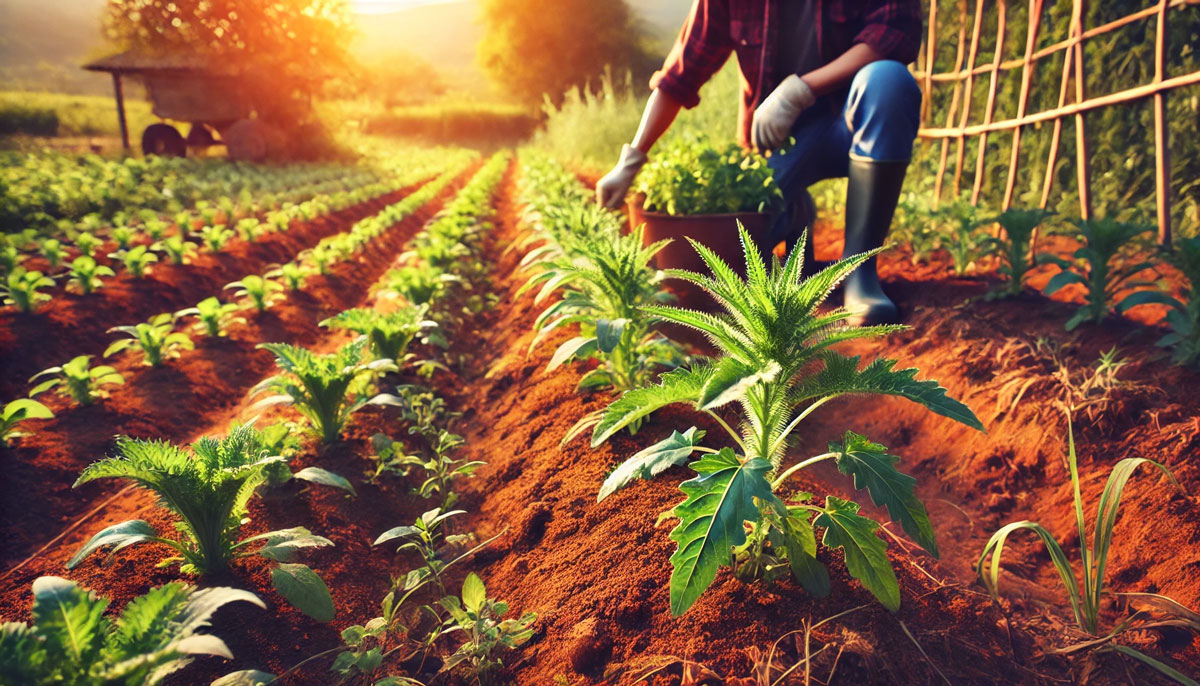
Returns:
point(829, 74)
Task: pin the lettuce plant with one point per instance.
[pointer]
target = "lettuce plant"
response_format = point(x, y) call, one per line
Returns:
point(1013, 247)
point(478, 617)
point(177, 248)
point(213, 316)
point(86, 275)
point(215, 236)
point(74, 640)
point(123, 236)
point(22, 289)
point(262, 292)
point(1086, 601)
point(776, 361)
point(156, 339)
point(292, 274)
point(18, 411)
point(1183, 316)
point(389, 334)
point(326, 389)
point(52, 249)
point(136, 260)
point(208, 489)
point(249, 229)
point(87, 244)
point(1099, 266)
point(78, 380)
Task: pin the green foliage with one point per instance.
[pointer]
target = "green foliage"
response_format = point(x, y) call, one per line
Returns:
point(695, 175)
point(86, 275)
point(965, 243)
point(123, 235)
point(420, 284)
point(53, 250)
point(78, 380)
point(87, 244)
point(326, 389)
point(1014, 246)
point(389, 334)
point(1086, 601)
point(17, 411)
point(426, 416)
point(776, 360)
point(1102, 266)
point(215, 236)
point(478, 618)
point(292, 274)
point(1183, 316)
point(213, 316)
point(73, 641)
point(156, 339)
point(177, 248)
point(425, 537)
point(136, 260)
point(262, 292)
point(22, 289)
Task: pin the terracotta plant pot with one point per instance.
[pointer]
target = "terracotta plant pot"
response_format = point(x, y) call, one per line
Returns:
point(718, 232)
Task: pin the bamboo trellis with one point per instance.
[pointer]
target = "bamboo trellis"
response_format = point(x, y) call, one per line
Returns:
point(963, 77)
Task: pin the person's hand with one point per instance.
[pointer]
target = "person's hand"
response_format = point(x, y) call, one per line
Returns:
point(774, 118)
point(611, 190)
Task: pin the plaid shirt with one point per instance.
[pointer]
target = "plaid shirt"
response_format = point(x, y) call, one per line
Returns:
point(748, 28)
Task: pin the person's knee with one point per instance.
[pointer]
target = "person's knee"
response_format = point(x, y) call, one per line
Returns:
point(889, 83)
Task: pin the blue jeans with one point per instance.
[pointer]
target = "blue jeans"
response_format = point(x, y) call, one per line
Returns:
point(878, 121)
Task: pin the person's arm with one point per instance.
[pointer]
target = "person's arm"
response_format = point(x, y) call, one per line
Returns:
point(840, 71)
point(658, 116)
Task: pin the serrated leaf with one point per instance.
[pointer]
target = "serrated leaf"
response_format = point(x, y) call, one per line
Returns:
point(118, 536)
point(866, 553)
point(677, 386)
point(719, 502)
point(731, 379)
point(651, 461)
point(305, 590)
point(326, 478)
point(875, 470)
point(70, 619)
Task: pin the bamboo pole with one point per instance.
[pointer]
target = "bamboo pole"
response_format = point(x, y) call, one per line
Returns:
point(930, 63)
point(1082, 158)
point(990, 112)
point(1014, 159)
point(960, 151)
point(1162, 132)
point(953, 110)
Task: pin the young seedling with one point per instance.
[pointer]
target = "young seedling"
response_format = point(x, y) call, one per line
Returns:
point(478, 617)
point(22, 289)
point(215, 236)
point(426, 538)
point(87, 244)
point(967, 243)
point(776, 360)
point(10, 259)
point(326, 389)
point(207, 489)
point(155, 228)
point(292, 274)
point(1098, 267)
point(17, 411)
point(249, 229)
point(86, 275)
point(52, 249)
point(262, 292)
point(1014, 246)
point(137, 260)
point(1184, 315)
point(177, 249)
point(77, 380)
point(156, 339)
point(420, 284)
point(123, 236)
point(214, 317)
point(389, 334)
point(1086, 602)
point(75, 640)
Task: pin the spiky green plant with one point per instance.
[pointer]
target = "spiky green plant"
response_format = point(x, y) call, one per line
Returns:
point(776, 360)
point(1086, 602)
point(1183, 316)
point(1101, 266)
point(18, 411)
point(389, 334)
point(86, 275)
point(156, 339)
point(77, 380)
point(1013, 247)
point(22, 289)
point(326, 389)
point(262, 292)
point(73, 640)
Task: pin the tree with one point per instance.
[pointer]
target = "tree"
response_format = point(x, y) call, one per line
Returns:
point(532, 47)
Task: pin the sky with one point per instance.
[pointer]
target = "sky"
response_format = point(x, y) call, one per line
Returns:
point(387, 6)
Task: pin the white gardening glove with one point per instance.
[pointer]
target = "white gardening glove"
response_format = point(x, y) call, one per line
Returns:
point(611, 190)
point(774, 118)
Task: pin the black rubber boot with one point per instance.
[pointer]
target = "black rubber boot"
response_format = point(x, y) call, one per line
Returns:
point(799, 215)
point(871, 196)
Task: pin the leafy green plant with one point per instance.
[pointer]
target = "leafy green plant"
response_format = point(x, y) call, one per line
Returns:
point(691, 174)
point(293, 275)
point(776, 360)
point(477, 616)
point(17, 411)
point(1100, 266)
point(1184, 315)
point(249, 229)
point(389, 334)
point(420, 284)
point(155, 228)
point(22, 289)
point(1086, 601)
point(10, 259)
point(425, 538)
point(86, 275)
point(262, 292)
point(966, 242)
point(177, 248)
point(214, 317)
point(208, 489)
point(156, 339)
point(215, 236)
point(87, 244)
point(326, 389)
point(78, 380)
point(136, 260)
point(1014, 246)
point(52, 249)
point(123, 236)
point(73, 641)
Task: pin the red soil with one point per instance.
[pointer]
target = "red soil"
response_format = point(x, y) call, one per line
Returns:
point(597, 573)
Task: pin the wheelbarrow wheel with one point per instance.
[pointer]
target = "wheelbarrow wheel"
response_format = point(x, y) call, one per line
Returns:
point(163, 139)
point(248, 140)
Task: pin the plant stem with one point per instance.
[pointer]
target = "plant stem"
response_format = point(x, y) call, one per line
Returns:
point(798, 466)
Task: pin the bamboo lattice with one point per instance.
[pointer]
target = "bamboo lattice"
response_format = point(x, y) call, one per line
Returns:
point(1072, 99)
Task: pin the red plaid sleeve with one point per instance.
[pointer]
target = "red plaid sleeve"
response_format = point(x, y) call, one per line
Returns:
point(893, 28)
point(703, 45)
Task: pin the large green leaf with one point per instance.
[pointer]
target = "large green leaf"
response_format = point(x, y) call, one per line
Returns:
point(118, 536)
point(801, 543)
point(678, 386)
point(875, 470)
point(325, 477)
point(866, 553)
point(245, 677)
point(70, 619)
point(652, 460)
point(282, 545)
point(719, 502)
point(731, 379)
point(304, 590)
